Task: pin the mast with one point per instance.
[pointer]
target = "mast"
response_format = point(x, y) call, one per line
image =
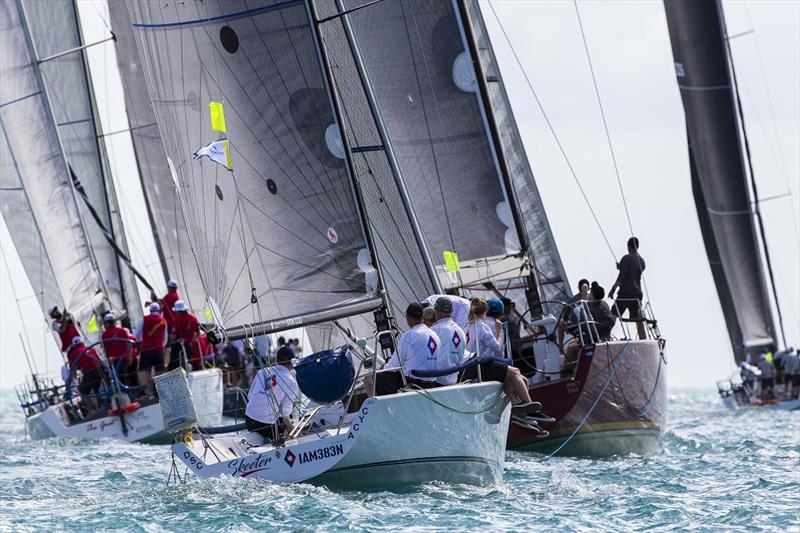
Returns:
point(387, 146)
point(748, 158)
point(532, 294)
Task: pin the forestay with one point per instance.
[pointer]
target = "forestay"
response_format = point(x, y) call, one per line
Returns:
point(280, 235)
point(167, 219)
point(54, 29)
point(49, 236)
point(719, 179)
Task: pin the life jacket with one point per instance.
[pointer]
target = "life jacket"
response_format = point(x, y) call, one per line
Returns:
point(167, 303)
point(153, 327)
point(88, 361)
point(117, 349)
point(66, 336)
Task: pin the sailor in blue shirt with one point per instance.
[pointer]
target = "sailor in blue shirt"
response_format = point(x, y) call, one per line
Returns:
point(417, 349)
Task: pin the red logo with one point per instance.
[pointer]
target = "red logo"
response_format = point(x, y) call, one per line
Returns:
point(274, 381)
point(456, 339)
point(332, 236)
point(289, 458)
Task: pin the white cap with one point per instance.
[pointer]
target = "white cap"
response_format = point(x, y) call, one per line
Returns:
point(51, 310)
point(172, 284)
point(77, 340)
point(179, 306)
point(155, 308)
point(109, 317)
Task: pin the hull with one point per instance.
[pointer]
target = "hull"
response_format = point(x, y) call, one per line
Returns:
point(453, 434)
point(615, 404)
point(142, 425)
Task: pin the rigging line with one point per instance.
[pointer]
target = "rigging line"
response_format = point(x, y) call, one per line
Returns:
point(553, 131)
point(603, 116)
point(749, 158)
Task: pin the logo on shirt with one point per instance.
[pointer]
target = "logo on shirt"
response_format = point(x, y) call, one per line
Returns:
point(274, 382)
point(456, 339)
point(432, 344)
point(289, 458)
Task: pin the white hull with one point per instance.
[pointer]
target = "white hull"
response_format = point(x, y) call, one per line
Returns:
point(408, 438)
point(143, 425)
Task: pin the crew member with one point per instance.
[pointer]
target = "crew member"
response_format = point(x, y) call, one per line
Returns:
point(460, 307)
point(453, 338)
point(185, 338)
point(417, 349)
point(151, 332)
point(168, 302)
point(88, 362)
point(64, 325)
point(767, 376)
point(571, 313)
point(629, 281)
point(118, 344)
point(272, 396)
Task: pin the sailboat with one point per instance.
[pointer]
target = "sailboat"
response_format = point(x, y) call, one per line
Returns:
point(281, 225)
point(727, 206)
point(431, 75)
point(59, 203)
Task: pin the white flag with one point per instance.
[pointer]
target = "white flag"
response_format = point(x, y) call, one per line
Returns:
point(218, 151)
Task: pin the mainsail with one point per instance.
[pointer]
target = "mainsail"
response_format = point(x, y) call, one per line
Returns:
point(37, 198)
point(274, 223)
point(719, 178)
point(547, 263)
point(166, 218)
point(54, 29)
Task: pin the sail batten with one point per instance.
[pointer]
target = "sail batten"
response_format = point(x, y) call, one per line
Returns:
point(719, 178)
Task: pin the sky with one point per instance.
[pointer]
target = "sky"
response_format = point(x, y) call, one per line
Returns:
point(630, 51)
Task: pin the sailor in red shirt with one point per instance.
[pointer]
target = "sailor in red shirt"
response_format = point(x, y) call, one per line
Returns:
point(88, 362)
point(185, 338)
point(64, 325)
point(168, 302)
point(118, 344)
point(151, 331)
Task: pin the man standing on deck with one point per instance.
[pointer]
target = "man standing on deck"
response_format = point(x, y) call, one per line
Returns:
point(87, 361)
point(119, 347)
point(168, 302)
point(272, 396)
point(629, 282)
point(185, 339)
point(151, 331)
point(460, 307)
point(64, 325)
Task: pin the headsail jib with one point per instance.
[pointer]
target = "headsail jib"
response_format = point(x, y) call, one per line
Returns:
point(279, 235)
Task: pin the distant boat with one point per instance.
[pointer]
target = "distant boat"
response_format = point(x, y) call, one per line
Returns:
point(727, 206)
point(60, 206)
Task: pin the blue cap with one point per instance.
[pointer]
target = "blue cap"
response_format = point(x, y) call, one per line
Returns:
point(494, 306)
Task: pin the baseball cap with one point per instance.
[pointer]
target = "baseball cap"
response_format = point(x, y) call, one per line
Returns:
point(414, 310)
point(443, 304)
point(77, 340)
point(179, 306)
point(52, 310)
point(284, 354)
point(155, 308)
point(494, 306)
point(172, 284)
point(109, 317)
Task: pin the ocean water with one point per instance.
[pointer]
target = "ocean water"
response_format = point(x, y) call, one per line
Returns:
point(719, 470)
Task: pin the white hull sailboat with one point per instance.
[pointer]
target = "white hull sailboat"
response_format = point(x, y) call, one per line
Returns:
point(144, 424)
point(455, 434)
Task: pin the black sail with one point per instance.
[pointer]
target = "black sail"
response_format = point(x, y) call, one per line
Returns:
point(279, 240)
point(719, 177)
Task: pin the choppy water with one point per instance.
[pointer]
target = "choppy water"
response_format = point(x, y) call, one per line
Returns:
point(718, 470)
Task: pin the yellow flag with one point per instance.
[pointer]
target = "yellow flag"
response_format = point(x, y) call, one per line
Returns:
point(92, 326)
point(768, 357)
point(207, 314)
point(217, 113)
point(451, 261)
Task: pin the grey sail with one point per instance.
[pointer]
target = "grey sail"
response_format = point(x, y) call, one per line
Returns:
point(549, 269)
point(166, 218)
point(718, 172)
point(34, 167)
point(421, 72)
point(279, 239)
point(54, 29)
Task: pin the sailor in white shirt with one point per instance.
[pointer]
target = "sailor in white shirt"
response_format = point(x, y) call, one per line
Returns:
point(453, 338)
point(417, 349)
point(460, 314)
point(272, 396)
